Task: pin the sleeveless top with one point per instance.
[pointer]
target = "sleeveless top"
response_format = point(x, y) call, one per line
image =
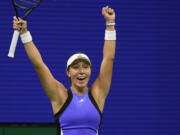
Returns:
point(79, 115)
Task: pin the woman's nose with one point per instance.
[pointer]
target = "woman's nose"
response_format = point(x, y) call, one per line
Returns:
point(81, 70)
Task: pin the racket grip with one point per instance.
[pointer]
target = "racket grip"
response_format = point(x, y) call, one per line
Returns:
point(13, 44)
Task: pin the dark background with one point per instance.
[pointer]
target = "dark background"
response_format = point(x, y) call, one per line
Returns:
point(144, 98)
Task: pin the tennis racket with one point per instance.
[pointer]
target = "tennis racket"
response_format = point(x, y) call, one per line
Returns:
point(26, 7)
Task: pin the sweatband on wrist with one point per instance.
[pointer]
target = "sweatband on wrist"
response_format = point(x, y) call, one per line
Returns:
point(26, 37)
point(110, 24)
point(110, 35)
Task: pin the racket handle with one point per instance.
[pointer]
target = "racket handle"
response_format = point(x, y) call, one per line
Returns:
point(13, 44)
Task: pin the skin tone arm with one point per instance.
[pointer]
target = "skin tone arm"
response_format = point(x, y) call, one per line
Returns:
point(101, 86)
point(54, 89)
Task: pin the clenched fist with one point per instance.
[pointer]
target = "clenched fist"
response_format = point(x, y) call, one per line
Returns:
point(20, 25)
point(108, 14)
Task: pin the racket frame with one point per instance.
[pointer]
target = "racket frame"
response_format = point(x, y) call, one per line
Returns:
point(16, 32)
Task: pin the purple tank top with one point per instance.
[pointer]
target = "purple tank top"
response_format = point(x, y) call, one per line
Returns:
point(79, 115)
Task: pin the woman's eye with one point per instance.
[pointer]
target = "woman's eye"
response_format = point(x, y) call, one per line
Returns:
point(75, 67)
point(86, 66)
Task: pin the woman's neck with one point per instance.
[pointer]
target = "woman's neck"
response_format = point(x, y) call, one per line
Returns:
point(79, 91)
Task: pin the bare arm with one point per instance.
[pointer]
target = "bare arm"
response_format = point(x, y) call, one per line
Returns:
point(102, 84)
point(52, 87)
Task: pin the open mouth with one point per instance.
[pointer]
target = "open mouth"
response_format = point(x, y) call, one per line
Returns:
point(81, 78)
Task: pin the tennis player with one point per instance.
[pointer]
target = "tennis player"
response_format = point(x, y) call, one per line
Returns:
point(78, 109)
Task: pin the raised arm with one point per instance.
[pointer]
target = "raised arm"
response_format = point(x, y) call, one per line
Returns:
point(54, 89)
point(102, 84)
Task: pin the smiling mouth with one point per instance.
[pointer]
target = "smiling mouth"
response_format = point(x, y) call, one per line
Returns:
point(81, 78)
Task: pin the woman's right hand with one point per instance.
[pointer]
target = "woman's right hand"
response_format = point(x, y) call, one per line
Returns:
point(20, 25)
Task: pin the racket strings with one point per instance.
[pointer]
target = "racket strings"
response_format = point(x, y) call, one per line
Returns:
point(25, 4)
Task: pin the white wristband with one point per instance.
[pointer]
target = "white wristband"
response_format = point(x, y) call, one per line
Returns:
point(110, 35)
point(26, 37)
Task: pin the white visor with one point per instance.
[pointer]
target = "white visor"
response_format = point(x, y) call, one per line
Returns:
point(77, 56)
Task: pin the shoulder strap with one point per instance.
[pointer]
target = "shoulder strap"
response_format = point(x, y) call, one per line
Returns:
point(60, 112)
point(96, 106)
point(68, 101)
point(94, 102)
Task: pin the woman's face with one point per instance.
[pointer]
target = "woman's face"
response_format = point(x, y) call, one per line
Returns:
point(79, 73)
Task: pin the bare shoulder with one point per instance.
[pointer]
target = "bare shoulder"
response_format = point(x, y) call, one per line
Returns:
point(61, 97)
point(98, 95)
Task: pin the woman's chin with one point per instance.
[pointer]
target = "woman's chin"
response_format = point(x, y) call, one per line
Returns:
point(81, 86)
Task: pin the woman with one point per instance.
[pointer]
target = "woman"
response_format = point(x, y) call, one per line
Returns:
point(78, 110)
